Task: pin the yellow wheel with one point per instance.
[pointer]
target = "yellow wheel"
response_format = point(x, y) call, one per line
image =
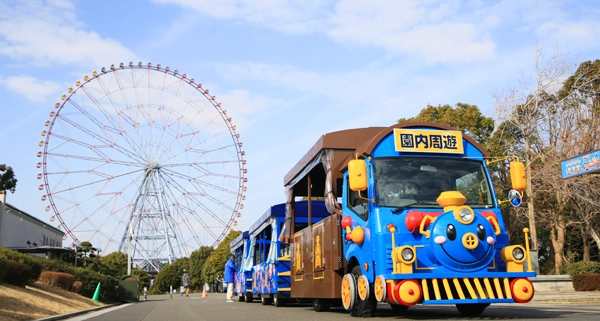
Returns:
point(362, 286)
point(348, 291)
point(380, 288)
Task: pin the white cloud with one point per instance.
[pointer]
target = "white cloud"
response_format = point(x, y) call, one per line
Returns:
point(581, 35)
point(31, 88)
point(399, 27)
point(43, 33)
point(241, 106)
point(294, 16)
point(436, 31)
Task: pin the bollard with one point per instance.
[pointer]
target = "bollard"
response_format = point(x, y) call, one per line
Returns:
point(145, 293)
point(171, 291)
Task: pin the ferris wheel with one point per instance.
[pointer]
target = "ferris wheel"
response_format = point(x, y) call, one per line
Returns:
point(142, 156)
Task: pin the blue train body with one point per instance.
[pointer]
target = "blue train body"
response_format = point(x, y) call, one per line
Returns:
point(264, 261)
point(239, 246)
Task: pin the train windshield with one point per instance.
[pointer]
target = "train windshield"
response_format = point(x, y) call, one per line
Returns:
point(418, 181)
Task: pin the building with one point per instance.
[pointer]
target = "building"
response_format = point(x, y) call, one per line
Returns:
point(24, 233)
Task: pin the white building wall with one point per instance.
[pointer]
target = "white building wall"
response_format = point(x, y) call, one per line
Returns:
point(16, 228)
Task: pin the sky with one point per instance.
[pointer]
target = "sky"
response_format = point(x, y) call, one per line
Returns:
point(287, 71)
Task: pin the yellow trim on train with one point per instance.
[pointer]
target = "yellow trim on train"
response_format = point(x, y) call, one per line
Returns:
point(466, 288)
point(288, 273)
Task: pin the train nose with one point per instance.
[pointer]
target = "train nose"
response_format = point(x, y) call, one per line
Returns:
point(470, 241)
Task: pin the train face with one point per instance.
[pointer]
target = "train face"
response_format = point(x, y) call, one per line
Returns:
point(421, 225)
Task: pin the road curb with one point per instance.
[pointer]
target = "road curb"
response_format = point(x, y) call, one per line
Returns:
point(72, 314)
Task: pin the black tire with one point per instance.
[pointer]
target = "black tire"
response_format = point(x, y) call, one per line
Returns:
point(335, 303)
point(266, 301)
point(321, 305)
point(249, 298)
point(363, 308)
point(471, 310)
point(398, 308)
point(279, 302)
point(241, 298)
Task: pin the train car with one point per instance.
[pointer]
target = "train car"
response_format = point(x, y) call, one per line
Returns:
point(418, 222)
point(240, 247)
point(268, 258)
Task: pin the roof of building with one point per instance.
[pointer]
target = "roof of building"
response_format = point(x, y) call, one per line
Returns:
point(33, 218)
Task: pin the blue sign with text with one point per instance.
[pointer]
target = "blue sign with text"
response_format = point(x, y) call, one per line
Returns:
point(583, 164)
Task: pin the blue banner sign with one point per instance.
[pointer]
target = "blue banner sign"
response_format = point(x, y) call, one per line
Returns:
point(583, 164)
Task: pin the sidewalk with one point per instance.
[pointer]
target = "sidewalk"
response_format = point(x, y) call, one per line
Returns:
point(566, 296)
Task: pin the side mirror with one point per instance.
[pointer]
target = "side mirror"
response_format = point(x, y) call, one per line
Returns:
point(515, 198)
point(357, 175)
point(517, 176)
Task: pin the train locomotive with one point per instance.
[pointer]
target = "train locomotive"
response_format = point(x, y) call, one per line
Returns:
point(413, 218)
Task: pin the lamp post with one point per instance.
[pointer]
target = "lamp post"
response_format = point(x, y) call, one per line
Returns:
point(129, 239)
point(74, 247)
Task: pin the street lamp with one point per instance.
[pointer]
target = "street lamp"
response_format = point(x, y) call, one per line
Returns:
point(74, 248)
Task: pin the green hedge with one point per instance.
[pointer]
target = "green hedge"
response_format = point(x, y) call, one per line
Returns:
point(17, 273)
point(34, 263)
point(3, 263)
point(88, 278)
point(576, 268)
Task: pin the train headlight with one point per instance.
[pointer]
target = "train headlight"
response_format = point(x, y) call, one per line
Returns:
point(464, 214)
point(514, 257)
point(518, 253)
point(407, 254)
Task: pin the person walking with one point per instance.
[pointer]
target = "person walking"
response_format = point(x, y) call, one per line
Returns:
point(185, 281)
point(217, 282)
point(229, 276)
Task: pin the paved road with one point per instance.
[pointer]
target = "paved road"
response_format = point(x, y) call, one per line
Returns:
point(214, 308)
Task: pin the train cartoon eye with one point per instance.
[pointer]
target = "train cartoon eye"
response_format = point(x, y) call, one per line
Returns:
point(480, 232)
point(451, 232)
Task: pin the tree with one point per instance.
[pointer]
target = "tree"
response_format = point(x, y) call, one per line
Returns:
point(170, 276)
point(583, 91)
point(464, 117)
point(8, 181)
point(557, 115)
point(522, 108)
point(197, 260)
point(215, 263)
point(86, 252)
point(114, 264)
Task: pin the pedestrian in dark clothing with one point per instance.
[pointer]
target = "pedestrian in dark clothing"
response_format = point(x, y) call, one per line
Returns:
point(185, 281)
point(218, 281)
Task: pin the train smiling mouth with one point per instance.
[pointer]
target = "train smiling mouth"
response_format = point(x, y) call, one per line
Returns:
point(463, 262)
